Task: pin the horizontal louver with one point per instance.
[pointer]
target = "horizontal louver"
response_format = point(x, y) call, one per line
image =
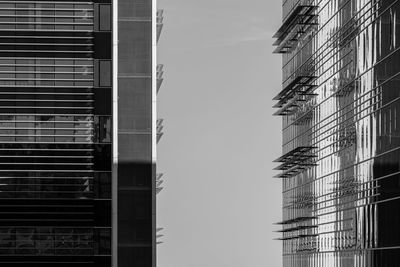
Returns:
point(48, 132)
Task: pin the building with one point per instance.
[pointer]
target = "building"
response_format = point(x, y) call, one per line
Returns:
point(78, 132)
point(340, 108)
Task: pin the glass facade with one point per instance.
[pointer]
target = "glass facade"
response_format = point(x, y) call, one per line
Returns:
point(340, 164)
point(55, 145)
point(62, 167)
point(136, 169)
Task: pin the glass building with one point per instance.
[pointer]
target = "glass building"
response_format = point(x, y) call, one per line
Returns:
point(340, 108)
point(78, 132)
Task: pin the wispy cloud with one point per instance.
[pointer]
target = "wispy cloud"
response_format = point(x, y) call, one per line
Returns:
point(244, 31)
point(244, 37)
point(228, 23)
point(242, 28)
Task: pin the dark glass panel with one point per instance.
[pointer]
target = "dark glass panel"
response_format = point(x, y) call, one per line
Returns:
point(135, 106)
point(102, 211)
point(103, 241)
point(102, 185)
point(134, 50)
point(135, 256)
point(135, 174)
point(135, 148)
point(102, 157)
point(134, 206)
point(134, 9)
point(102, 101)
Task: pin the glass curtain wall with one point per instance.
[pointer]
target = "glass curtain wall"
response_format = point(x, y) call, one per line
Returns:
point(136, 172)
point(340, 109)
point(55, 135)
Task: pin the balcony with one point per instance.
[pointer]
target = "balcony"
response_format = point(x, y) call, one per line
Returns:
point(300, 20)
point(159, 235)
point(159, 182)
point(295, 93)
point(160, 128)
point(297, 220)
point(296, 237)
point(160, 74)
point(295, 161)
point(160, 22)
point(297, 228)
point(292, 171)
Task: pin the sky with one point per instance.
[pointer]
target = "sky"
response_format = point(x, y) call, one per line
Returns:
point(220, 200)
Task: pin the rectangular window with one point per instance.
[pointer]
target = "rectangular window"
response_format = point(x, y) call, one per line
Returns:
point(105, 17)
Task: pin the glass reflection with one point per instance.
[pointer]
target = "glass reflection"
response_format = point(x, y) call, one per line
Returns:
point(339, 103)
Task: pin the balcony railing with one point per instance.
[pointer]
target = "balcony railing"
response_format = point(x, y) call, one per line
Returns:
point(297, 220)
point(159, 182)
point(160, 128)
point(160, 22)
point(300, 20)
point(159, 235)
point(296, 237)
point(160, 74)
point(296, 161)
point(297, 228)
point(299, 90)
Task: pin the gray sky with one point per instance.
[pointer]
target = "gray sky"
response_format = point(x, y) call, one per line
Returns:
point(220, 198)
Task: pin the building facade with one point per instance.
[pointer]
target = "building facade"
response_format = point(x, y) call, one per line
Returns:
point(340, 108)
point(78, 133)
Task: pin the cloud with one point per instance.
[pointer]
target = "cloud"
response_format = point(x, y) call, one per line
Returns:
point(244, 35)
point(245, 38)
point(241, 28)
point(225, 23)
